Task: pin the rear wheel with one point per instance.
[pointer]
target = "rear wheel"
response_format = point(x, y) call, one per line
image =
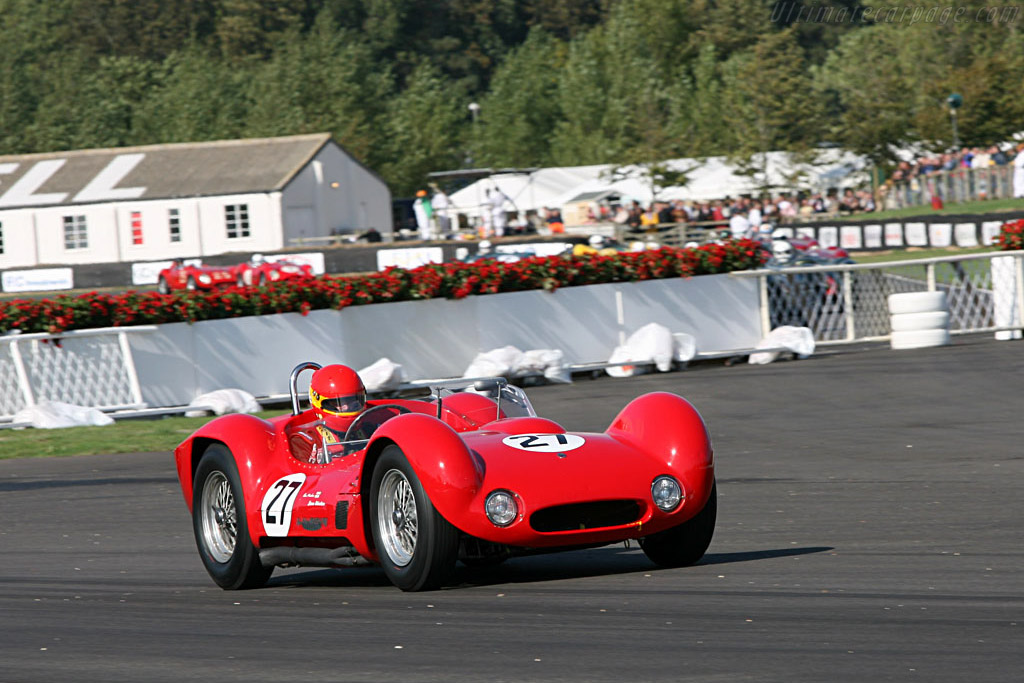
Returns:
point(685, 544)
point(220, 526)
point(163, 286)
point(416, 545)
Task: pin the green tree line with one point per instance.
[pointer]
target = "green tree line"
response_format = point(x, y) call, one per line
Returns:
point(558, 82)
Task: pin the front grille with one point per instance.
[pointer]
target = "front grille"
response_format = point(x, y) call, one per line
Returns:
point(580, 516)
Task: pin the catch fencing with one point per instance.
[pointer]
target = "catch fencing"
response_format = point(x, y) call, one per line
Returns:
point(92, 368)
point(848, 303)
point(958, 185)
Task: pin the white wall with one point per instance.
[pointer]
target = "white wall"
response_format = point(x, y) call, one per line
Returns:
point(19, 239)
point(438, 338)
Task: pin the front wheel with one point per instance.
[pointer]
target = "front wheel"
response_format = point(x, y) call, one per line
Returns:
point(219, 523)
point(163, 286)
point(190, 284)
point(416, 545)
point(685, 544)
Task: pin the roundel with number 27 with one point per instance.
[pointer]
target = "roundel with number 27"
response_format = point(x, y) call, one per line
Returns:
point(544, 443)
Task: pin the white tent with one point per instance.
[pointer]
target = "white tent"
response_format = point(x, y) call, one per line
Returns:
point(710, 178)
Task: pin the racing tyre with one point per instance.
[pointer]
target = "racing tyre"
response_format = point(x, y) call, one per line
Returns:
point(917, 302)
point(416, 545)
point(683, 545)
point(190, 284)
point(262, 281)
point(163, 286)
point(219, 523)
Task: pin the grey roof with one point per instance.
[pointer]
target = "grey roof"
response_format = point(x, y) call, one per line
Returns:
point(178, 170)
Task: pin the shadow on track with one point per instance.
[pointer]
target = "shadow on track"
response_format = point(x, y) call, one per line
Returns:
point(609, 561)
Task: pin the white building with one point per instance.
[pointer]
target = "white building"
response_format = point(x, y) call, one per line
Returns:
point(182, 200)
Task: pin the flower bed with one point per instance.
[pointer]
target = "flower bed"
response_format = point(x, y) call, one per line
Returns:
point(444, 280)
point(1011, 235)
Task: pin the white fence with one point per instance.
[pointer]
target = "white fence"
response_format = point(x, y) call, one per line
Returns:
point(87, 367)
point(848, 303)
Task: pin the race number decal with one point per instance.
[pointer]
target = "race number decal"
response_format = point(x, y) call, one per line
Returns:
point(277, 504)
point(544, 443)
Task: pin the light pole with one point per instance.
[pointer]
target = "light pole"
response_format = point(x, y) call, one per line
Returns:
point(954, 101)
point(474, 110)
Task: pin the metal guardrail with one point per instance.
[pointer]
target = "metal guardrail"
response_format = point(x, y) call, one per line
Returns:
point(848, 303)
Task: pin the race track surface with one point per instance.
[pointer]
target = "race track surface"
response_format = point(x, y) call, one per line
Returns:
point(870, 529)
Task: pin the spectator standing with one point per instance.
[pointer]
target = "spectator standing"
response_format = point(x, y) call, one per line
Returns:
point(738, 224)
point(496, 202)
point(1018, 172)
point(421, 207)
point(440, 204)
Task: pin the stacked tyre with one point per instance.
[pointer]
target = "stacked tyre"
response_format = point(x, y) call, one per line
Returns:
point(919, 320)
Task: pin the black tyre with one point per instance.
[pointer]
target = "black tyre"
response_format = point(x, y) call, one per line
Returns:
point(190, 284)
point(219, 523)
point(262, 282)
point(163, 286)
point(685, 544)
point(416, 545)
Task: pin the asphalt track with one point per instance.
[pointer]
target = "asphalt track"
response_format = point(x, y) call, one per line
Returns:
point(870, 529)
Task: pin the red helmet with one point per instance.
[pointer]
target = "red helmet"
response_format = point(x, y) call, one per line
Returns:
point(336, 395)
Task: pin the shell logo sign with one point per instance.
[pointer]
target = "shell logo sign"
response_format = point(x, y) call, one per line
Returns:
point(103, 186)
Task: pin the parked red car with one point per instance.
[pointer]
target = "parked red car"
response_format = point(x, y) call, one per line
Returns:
point(416, 485)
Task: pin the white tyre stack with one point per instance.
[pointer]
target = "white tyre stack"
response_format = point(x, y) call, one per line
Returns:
point(919, 320)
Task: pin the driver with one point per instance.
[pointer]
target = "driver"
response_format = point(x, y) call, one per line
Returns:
point(337, 397)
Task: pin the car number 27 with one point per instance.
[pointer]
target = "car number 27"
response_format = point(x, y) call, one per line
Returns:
point(544, 443)
point(277, 504)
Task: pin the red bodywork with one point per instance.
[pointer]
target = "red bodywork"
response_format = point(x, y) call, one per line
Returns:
point(271, 271)
point(460, 458)
point(196, 277)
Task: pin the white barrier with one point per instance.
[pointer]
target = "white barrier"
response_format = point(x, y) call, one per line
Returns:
point(438, 337)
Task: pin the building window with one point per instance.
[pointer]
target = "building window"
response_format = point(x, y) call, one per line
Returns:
point(237, 218)
point(136, 228)
point(75, 234)
point(1, 238)
point(174, 224)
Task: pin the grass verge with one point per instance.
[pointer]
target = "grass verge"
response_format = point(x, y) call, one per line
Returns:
point(124, 436)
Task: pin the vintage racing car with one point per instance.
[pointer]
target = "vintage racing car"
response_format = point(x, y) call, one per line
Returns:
point(469, 474)
point(189, 276)
point(260, 271)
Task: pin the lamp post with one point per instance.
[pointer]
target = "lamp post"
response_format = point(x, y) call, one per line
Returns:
point(474, 110)
point(955, 101)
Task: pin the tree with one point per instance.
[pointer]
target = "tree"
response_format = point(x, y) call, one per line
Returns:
point(522, 107)
point(423, 127)
point(769, 103)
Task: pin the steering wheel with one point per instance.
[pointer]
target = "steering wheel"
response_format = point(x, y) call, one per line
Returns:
point(362, 428)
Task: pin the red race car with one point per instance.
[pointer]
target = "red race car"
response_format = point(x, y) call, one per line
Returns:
point(259, 271)
point(418, 484)
point(189, 276)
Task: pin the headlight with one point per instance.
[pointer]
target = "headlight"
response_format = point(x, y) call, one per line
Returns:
point(205, 279)
point(667, 493)
point(501, 508)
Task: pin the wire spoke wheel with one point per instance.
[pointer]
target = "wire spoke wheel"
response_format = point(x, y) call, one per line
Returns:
point(396, 514)
point(219, 517)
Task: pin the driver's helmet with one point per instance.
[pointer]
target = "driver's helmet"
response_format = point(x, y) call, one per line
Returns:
point(484, 247)
point(782, 251)
point(337, 395)
point(596, 241)
point(257, 259)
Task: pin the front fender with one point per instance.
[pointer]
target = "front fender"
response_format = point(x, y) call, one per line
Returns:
point(447, 469)
point(669, 428)
point(250, 439)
